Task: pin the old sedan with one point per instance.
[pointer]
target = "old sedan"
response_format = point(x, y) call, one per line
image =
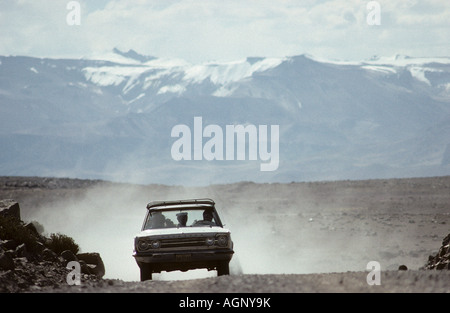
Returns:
point(182, 235)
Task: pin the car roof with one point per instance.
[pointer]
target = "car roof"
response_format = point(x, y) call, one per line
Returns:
point(155, 205)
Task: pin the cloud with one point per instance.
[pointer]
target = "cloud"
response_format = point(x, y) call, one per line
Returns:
point(204, 30)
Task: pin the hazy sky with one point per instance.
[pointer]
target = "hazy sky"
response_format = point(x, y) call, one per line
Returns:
point(210, 30)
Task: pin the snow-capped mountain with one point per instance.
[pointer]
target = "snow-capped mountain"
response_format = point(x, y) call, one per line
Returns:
point(112, 116)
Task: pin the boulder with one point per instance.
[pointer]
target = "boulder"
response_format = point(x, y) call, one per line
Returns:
point(94, 263)
point(68, 256)
point(21, 251)
point(85, 269)
point(6, 261)
point(446, 240)
point(49, 255)
point(9, 207)
point(440, 261)
point(9, 244)
point(32, 228)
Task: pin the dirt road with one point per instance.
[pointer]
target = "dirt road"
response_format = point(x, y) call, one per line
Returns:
point(298, 237)
point(355, 282)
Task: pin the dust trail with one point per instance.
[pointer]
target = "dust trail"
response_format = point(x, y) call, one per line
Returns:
point(274, 228)
point(105, 219)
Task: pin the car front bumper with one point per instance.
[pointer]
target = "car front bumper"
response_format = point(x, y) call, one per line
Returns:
point(183, 260)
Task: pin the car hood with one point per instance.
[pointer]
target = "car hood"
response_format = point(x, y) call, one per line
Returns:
point(181, 231)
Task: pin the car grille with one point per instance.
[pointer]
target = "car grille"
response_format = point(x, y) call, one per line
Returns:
point(182, 242)
point(171, 243)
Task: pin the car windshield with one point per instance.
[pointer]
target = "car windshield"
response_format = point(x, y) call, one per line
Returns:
point(192, 217)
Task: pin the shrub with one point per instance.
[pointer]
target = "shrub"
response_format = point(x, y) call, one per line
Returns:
point(59, 242)
point(13, 228)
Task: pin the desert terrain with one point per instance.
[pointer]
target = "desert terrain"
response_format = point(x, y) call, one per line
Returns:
point(296, 237)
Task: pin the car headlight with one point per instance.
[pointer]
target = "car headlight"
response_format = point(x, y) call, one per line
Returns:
point(146, 244)
point(155, 244)
point(209, 241)
point(222, 240)
point(143, 245)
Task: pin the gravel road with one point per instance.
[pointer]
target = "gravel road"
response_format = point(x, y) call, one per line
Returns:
point(420, 281)
point(335, 227)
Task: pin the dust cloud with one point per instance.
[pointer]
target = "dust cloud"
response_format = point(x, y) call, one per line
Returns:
point(106, 218)
point(276, 228)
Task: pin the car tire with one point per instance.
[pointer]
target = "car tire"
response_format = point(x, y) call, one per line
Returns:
point(223, 269)
point(146, 272)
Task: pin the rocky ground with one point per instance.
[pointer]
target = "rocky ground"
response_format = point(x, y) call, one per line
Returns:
point(298, 237)
point(354, 282)
point(39, 276)
point(30, 261)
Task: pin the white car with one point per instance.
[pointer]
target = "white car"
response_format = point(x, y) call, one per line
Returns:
point(182, 235)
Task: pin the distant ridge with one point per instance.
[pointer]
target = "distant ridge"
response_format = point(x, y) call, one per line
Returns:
point(134, 55)
point(111, 118)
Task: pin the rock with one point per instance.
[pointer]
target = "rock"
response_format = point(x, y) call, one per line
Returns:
point(27, 265)
point(84, 268)
point(446, 240)
point(21, 250)
point(441, 260)
point(6, 261)
point(39, 247)
point(10, 244)
point(49, 255)
point(9, 207)
point(30, 226)
point(442, 266)
point(94, 262)
point(68, 256)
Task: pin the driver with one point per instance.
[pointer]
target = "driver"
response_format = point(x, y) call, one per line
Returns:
point(207, 218)
point(182, 219)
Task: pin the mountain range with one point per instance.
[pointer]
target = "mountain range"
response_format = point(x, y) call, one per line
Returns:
point(111, 117)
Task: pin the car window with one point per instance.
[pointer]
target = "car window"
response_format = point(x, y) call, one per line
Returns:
point(180, 218)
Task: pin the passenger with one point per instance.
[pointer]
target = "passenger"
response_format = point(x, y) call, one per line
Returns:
point(158, 220)
point(169, 223)
point(182, 219)
point(207, 218)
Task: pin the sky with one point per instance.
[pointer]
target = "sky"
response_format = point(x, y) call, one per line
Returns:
point(201, 31)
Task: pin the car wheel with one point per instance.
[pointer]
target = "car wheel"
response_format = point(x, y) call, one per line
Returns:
point(223, 269)
point(146, 272)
